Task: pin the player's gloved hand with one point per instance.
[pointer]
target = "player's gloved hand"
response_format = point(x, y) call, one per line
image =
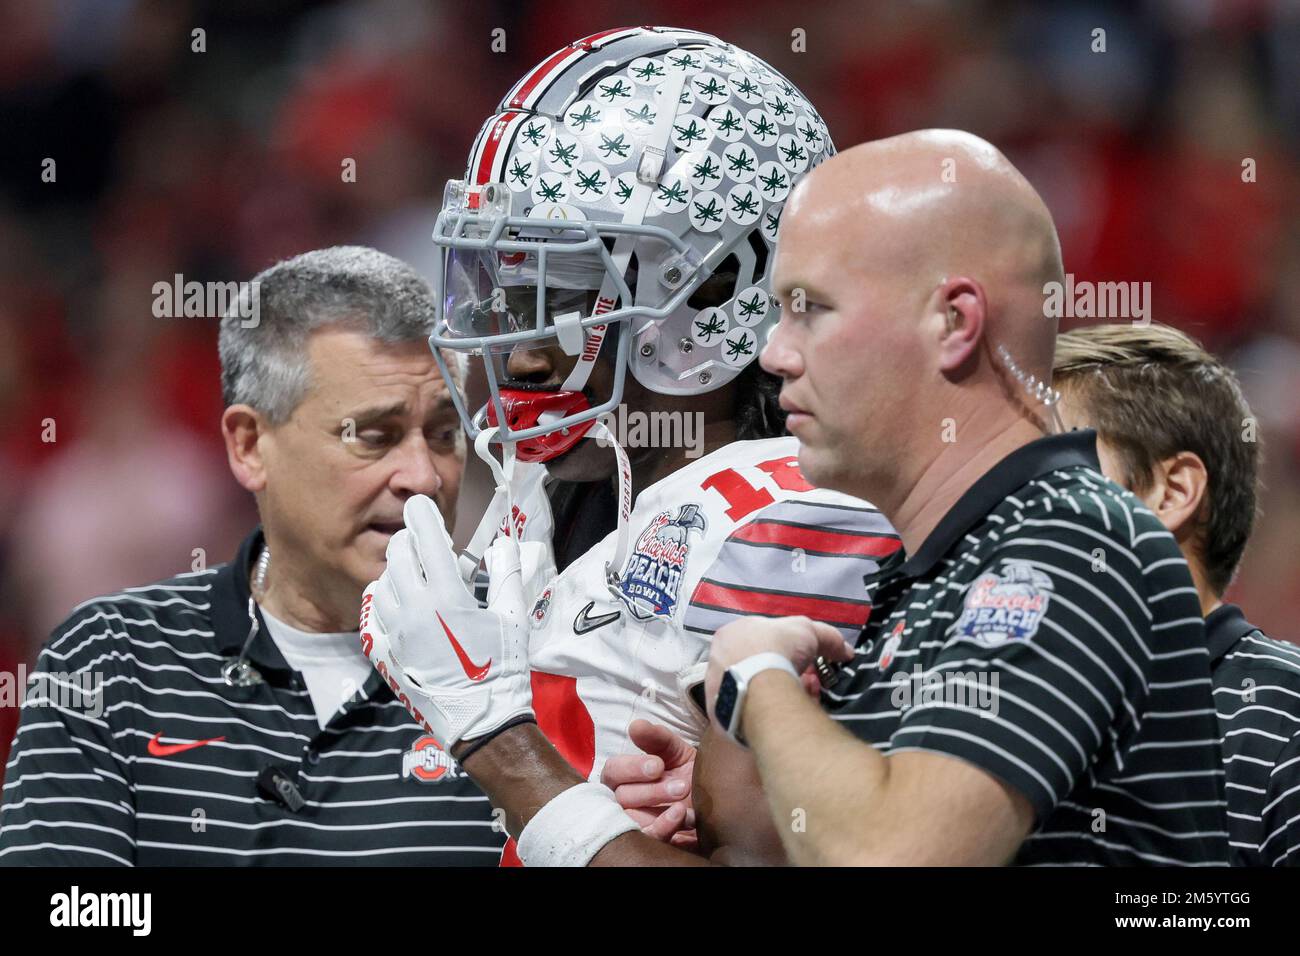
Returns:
point(460, 670)
point(654, 787)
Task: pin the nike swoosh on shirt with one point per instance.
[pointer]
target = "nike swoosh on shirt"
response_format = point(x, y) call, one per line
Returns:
point(474, 672)
point(583, 624)
point(160, 749)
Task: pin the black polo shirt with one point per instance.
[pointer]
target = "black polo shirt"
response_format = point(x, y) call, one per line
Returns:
point(1047, 631)
point(161, 767)
point(1257, 695)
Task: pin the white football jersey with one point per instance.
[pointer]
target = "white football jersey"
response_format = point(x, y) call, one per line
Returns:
point(737, 532)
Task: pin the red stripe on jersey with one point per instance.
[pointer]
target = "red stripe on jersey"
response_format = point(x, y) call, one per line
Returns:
point(826, 609)
point(563, 718)
point(539, 74)
point(826, 540)
point(484, 172)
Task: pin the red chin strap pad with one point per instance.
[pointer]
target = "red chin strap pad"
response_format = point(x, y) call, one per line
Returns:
point(524, 409)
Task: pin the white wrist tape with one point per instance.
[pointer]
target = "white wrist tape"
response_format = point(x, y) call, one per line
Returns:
point(573, 827)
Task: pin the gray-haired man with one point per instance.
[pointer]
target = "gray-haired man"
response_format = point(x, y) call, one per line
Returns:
point(233, 717)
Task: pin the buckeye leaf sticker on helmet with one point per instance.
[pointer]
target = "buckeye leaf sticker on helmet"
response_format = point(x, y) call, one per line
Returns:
point(629, 186)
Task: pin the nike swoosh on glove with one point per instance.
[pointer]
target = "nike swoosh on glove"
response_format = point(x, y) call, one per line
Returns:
point(460, 670)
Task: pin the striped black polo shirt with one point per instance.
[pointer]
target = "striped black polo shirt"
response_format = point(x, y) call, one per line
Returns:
point(158, 764)
point(1257, 694)
point(1047, 631)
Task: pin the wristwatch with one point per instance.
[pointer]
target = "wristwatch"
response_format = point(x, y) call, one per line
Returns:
point(730, 703)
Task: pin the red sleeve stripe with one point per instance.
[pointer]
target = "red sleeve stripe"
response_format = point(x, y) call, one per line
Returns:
point(822, 540)
point(721, 597)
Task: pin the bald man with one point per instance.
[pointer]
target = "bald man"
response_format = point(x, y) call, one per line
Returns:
point(1033, 683)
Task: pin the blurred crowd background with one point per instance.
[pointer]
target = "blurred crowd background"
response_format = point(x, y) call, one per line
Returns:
point(215, 164)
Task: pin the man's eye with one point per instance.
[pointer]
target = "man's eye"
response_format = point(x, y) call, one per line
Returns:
point(806, 307)
point(374, 437)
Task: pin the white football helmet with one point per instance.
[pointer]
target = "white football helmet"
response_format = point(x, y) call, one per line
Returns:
point(614, 180)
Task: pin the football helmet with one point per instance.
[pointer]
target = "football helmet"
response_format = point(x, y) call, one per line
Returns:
point(615, 179)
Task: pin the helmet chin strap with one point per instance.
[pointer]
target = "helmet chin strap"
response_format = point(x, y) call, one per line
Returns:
point(498, 509)
point(601, 431)
point(650, 167)
point(502, 505)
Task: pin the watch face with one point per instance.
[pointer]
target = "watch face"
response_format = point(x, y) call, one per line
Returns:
point(726, 702)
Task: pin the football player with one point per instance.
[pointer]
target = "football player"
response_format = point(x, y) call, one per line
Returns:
point(607, 256)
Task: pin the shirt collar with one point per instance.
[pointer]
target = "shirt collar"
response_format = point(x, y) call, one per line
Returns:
point(1017, 469)
point(1224, 627)
point(230, 621)
point(230, 612)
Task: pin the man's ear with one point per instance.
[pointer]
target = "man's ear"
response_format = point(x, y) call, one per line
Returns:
point(242, 428)
point(1180, 487)
point(962, 312)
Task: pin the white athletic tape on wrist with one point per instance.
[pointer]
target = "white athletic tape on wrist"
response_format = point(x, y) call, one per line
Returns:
point(573, 827)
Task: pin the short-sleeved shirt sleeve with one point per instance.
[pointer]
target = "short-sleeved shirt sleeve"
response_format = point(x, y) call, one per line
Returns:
point(68, 798)
point(1281, 816)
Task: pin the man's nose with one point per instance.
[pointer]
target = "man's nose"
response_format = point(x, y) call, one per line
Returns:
point(416, 472)
point(535, 365)
point(778, 357)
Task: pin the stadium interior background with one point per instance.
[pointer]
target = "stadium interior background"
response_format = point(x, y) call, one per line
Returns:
point(215, 164)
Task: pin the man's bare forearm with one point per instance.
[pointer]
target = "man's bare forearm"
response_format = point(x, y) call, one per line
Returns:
point(837, 800)
point(820, 781)
point(520, 771)
point(732, 818)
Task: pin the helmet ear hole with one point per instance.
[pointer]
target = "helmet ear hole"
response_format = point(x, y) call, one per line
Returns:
point(759, 245)
point(633, 270)
point(718, 287)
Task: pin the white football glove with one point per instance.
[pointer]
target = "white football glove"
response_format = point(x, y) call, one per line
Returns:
point(460, 670)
